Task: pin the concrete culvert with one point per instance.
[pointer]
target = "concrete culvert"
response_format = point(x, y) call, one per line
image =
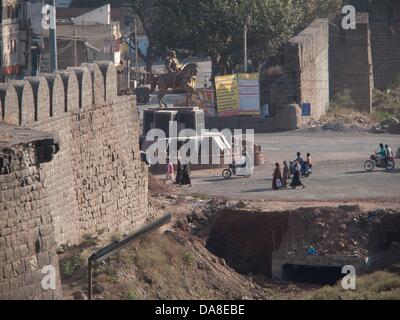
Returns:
point(278, 244)
point(324, 275)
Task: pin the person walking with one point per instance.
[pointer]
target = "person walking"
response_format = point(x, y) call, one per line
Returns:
point(296, 182)
point(185, 180)
point(178, 173)
point(285, 174)
point(170, 172)
point(308, 160)
point(277, 177)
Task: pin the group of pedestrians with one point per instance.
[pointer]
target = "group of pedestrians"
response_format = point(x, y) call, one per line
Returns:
point(182, 177)
point(280, 177)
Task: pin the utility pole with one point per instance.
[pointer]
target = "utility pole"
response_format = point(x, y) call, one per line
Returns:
point(136, 49)
point(75, 48)
point(53, 37)
point(246, 25)
point(245, 47)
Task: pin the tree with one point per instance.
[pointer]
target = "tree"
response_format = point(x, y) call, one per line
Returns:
point(215, 28)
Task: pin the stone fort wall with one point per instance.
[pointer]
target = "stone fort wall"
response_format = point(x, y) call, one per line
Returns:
point(306, 72)
point(95, 185)
point(369, 56)
point(351, 66)
point(384, 24)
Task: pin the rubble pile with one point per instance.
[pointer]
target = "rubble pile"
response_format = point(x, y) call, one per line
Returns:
point(340, 123)
point(390, 125)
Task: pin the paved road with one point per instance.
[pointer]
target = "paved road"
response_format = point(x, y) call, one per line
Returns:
point(338, 169)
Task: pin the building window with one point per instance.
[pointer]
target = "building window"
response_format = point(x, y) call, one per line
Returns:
point(11, 12)
point(13, 46)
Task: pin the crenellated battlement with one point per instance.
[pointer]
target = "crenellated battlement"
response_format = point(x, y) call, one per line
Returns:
point(92, 182)
point(35, 99)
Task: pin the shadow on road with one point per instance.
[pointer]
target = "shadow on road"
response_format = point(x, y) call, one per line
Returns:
point(258, 190)
point(377, 171)
point(397, 170)
point(359, 172)
point(216, 179)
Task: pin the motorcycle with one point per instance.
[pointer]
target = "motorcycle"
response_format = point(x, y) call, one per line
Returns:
point(232, 170)
point(374, 161)
point(305, 170)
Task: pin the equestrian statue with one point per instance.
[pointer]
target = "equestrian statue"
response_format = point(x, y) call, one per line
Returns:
point(179, 78)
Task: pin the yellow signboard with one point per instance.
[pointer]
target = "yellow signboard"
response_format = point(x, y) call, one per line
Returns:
point(227, 95)
point(238, 94)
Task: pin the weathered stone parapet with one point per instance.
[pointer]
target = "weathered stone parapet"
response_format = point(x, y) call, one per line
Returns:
point(9, 104)
point(85, 87)
point(71, 91)
point(94, 184)
point(41, 97)
point(26, 103)
point(57, 94)
point(98, 83)
point(110, 79)
point(27, 242)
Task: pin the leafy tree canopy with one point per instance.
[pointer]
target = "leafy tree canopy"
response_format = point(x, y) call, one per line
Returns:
point(215, 28)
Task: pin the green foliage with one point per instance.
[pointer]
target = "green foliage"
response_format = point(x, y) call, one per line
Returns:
point(341, 100)
point(89, 239)
point(215, 28)
point(112, 274)
point(187, 258)
point(386, 103)
point(130, 295)
point(71, 265)
point(380, 285)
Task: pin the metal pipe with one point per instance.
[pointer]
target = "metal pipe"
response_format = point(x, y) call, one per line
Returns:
point(112, 248)
point(90, 280)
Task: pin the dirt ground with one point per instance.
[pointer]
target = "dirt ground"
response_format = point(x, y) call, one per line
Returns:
point(174, 262)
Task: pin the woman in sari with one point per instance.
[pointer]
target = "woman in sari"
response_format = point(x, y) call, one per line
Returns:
point(277, 177)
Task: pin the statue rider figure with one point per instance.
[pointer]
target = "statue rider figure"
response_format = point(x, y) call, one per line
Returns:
point(173, 67)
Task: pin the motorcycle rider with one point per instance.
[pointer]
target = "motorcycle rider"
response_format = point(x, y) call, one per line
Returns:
point(242, 162)
point(381, 153)
point(389, 152)
point(301, 162)
point(299, 158)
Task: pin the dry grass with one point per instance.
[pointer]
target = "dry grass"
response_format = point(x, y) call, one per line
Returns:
point(165, 266)
point(386, 103)
point(380, 285)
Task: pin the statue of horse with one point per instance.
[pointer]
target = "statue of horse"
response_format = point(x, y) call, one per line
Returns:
point(185, 82)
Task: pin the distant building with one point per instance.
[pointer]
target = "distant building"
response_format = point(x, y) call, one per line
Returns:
point(13, 44)
point(120, 14)
point(84, 38)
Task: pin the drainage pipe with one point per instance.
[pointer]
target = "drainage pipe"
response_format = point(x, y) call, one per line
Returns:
point(114, 247)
